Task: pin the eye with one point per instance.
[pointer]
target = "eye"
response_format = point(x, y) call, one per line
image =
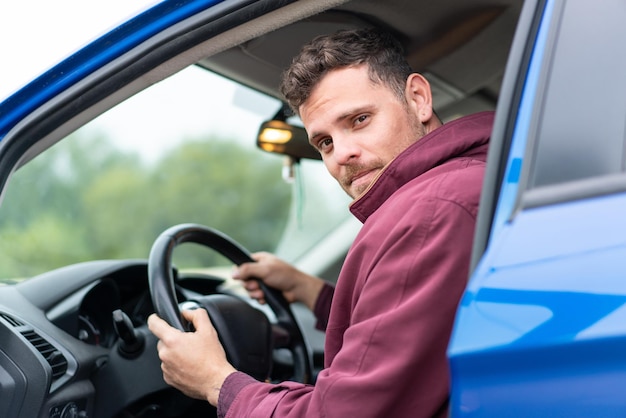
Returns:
point(324, 145)
point(361, 119)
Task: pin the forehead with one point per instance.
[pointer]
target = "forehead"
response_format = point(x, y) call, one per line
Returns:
point(357, 75)
point(340, 90)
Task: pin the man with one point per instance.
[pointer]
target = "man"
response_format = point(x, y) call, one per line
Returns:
point(416, 187)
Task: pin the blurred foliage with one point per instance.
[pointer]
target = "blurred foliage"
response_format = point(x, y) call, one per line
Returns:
point(83, 199)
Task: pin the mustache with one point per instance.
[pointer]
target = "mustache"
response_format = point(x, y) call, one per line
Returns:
point(355, 169)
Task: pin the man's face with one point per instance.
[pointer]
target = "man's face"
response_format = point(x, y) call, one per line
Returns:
point(358, 126)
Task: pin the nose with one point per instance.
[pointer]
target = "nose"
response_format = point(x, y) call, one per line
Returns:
point(345, 150)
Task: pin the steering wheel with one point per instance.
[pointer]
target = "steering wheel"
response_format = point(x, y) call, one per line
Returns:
point(163, 293)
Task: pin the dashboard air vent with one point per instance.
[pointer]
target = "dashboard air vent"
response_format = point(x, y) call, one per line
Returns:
point(12, 321)
point(55, 359)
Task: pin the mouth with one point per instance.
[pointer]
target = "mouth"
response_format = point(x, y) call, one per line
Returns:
point(361, 180)
point(360, 175)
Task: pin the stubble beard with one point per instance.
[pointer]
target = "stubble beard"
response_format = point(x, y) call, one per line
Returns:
point(353, 170)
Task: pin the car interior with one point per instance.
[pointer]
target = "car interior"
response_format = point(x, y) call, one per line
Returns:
point(461, 47)
point(73, 340)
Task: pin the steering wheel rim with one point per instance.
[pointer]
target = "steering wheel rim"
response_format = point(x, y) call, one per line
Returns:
point(163, 290)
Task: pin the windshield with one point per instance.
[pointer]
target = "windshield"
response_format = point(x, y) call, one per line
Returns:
point(182, 151)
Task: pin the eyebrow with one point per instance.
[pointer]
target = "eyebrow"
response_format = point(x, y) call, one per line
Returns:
point(342, 117)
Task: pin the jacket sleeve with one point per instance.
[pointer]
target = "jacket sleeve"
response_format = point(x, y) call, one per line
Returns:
point(322, 306)
point(392, 356)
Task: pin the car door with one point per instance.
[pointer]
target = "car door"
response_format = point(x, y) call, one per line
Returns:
point(541, 329)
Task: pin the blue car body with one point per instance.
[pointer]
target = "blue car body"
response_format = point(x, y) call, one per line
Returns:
point(541, 328)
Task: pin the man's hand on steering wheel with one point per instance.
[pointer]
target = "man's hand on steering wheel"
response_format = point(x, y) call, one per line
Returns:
point(295, 285)
point(228, 316)
point(193, 362)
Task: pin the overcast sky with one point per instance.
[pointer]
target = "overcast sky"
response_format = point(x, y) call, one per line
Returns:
point(36, 34)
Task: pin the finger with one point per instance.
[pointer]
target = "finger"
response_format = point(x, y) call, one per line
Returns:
point(240, 272)
point(251, 285)
point(199, 318)
point(258, 256)
point(157, 326)
point(245, 271)
point(257, 294)
point(251, 270)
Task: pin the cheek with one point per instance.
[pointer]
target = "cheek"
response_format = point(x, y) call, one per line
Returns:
point(332, 168)
point(389, 141)
point(408, 130)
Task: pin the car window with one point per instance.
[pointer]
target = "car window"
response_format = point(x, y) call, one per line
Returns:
point(182, 151)
point(581, 129)
point(319, 207)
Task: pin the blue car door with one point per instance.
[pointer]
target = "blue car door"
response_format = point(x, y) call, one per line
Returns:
point(541, 329)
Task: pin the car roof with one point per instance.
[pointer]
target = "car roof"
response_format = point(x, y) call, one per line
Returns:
point(461, 46)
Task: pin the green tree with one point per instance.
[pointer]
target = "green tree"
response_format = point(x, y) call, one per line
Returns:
point(83, 199)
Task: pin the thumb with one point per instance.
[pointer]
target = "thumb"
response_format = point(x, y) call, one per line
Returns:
point(199, 318)
point(244, 271)
point(252, 269)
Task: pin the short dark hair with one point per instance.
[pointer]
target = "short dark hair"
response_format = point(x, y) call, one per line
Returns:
point(383, 54)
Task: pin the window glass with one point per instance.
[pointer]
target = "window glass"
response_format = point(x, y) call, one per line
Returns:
point(181, 151)
point(581, 131)
point(319, 206)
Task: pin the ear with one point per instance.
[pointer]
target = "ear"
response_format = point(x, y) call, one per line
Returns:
point(419, 97)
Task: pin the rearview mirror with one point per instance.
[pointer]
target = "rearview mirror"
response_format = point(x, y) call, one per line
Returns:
point(277, 136)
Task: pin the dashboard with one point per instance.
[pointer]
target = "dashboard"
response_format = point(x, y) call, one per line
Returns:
point(87, 314)
point(59, 349)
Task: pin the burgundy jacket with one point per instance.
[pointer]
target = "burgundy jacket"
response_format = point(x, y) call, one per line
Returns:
point(394, 305)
